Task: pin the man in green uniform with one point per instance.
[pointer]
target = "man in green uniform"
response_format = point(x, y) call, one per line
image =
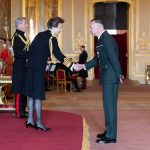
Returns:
point(110, 76)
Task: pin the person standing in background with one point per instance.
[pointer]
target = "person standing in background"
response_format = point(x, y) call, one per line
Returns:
point(82, 60)
point(20, 45)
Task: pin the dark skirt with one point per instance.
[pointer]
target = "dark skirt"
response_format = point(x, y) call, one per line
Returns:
point(35, 84)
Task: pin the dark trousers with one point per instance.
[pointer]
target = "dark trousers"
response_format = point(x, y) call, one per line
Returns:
point(84, 83)
point(20, 104)
point(75, 83)
point(110, 97)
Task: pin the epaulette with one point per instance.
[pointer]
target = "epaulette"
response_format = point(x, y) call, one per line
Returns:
point(26, 42)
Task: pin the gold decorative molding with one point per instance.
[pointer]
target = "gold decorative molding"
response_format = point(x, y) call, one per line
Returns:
point(60, 15)
point(127, 1)
point(73, 28)
point(142, 54)
point(38, 13)
point(85, 23)
point(5, 19)
point(77, 42)
point(142, 40)
point(23, 12)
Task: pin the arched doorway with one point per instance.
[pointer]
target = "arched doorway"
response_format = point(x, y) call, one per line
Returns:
point(115, 16)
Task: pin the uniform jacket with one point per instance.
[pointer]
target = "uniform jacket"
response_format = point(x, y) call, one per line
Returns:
point(19, 66)
point(107, 59)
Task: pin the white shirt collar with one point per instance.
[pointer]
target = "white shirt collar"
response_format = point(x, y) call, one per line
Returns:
point(50, 30)
point(101, 34)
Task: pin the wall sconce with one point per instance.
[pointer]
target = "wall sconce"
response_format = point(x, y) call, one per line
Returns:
point(6, 27)
point(143, 42)
point(77, 42)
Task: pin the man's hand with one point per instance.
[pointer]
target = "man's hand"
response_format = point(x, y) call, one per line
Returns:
point(78, 67)
point(121, 79)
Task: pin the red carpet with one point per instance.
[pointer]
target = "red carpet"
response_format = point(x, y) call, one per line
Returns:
point(66, 133)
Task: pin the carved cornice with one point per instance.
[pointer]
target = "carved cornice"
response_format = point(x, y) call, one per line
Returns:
point(128, 1)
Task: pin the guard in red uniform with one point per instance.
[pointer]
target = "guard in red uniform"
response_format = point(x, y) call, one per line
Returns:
point(4, 53)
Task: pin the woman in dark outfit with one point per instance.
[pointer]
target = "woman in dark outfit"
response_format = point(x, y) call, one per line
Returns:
point(43, 46)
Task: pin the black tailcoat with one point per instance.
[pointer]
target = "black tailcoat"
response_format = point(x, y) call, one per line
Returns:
point(19, 66)
point(39, 53)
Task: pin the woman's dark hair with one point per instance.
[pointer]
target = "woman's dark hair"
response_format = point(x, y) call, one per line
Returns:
point(53, 22)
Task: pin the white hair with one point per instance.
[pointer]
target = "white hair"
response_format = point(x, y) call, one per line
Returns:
point(19, 20)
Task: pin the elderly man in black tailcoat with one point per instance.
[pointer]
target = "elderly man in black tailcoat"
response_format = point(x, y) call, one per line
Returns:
point(20, 44)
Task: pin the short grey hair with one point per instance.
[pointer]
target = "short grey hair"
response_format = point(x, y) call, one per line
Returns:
point(19, 20)
point(97, 21)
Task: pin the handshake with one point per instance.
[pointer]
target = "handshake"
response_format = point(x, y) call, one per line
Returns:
point(78, 67)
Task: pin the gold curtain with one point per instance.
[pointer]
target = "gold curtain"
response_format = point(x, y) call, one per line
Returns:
point(5, 20)
point(38, 13)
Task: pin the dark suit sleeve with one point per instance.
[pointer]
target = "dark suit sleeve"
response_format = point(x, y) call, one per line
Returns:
point(58, 54)
point(19, 48)
point(56, 50)
point(112, 54)
point(92, 63)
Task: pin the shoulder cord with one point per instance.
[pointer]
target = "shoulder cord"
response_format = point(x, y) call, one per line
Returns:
point(66, 62)
point(51, 49)
point(26, 42)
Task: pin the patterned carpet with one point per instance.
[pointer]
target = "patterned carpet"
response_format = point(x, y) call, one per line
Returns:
point(131, 96)
point(66, 133)
point(133, 113)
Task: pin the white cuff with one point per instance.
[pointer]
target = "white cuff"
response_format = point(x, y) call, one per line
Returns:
point(71, 68)
point(84, 67)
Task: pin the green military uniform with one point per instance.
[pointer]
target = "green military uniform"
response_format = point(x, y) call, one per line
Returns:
point(110, 72)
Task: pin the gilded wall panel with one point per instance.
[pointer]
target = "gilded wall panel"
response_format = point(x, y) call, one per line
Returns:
point(5, 19)
point(38, 13)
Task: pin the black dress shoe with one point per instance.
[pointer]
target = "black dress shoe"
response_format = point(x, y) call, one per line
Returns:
point(28, 124)
point(105, 140)
point(83, 88)
point(101, 135)
point(23, 116)
point(26, 114)
point(42, 127)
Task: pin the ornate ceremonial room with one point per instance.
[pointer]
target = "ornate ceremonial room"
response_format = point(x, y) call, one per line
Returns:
point(74, 106)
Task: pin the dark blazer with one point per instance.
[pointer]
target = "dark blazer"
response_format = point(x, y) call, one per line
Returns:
point(40, 47)
point(107, 59)
point(19, 66)
point(82, 60)
point(83, 57)
point(43, 46)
